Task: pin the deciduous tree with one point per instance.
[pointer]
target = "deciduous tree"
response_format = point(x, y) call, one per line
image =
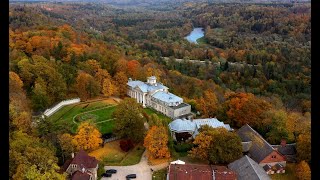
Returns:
point(87, 87)
point(304, 147)
point(208, 104)
point(129, 121)
point(121, 82)
point(27, 151)
point(88, 137)
point(156, 142)
point(66, 144)
point(245, 108)
point(225, 147)
point(303, 171)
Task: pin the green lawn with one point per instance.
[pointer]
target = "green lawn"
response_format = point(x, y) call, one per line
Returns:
point(288, 175)
point(106, 127)
point(83, 112)
point(150, 111)
point(121, 158)
point(160, 175)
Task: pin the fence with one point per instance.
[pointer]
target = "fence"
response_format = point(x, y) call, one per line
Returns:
point(111, 139)
point(54, 109)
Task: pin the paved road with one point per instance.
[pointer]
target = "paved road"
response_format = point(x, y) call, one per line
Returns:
point(142, 170)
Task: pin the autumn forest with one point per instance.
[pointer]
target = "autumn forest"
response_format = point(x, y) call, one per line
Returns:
point(253, 66)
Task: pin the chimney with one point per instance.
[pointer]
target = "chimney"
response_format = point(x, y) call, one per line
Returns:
point(72, 155)
point(283, 142)
point(83, 170)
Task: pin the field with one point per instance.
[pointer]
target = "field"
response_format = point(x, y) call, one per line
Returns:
point(98, 111)
point(112, 155)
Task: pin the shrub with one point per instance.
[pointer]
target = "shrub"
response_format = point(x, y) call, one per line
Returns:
point(100, 169)
point(183, 147)
point(126, 145)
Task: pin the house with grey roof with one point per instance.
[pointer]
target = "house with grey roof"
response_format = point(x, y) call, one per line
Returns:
point(260, 150)
point(288, 150)
point(156, 95)
point(246, 169)
point(191, 127)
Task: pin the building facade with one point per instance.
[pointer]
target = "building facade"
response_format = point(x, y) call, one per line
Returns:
point(260, 150)
point(155, 95)
point(82, 166)
point(190, 128)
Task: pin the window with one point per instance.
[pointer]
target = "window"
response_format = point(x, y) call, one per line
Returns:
point(273, 156)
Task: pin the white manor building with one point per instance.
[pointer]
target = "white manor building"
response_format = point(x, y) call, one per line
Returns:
point(155, 95)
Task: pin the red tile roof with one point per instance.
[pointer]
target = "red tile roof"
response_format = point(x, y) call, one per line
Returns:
point(83, 159)
point(223, 173)
point(80, 176)
point(189, 172)
point(200, 172)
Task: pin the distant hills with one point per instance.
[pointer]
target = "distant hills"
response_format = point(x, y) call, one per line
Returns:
point(150, 2)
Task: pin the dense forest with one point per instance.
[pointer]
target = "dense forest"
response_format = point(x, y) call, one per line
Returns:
point(256, 70)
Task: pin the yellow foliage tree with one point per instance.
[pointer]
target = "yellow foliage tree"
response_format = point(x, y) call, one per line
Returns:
point(303, 171)
point(108, 87)
point(156, 142)
point(203, 142)
point(87, 138)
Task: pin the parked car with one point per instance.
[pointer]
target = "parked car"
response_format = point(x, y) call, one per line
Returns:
point(111, 171)
point(131, 176)
point(106, 175)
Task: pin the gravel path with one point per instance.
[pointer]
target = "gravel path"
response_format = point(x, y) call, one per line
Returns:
point(142, 170)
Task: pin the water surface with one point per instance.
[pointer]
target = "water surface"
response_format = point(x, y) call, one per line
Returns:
point(195, 34)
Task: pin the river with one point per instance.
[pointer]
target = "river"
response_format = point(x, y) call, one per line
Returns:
point(195, 34)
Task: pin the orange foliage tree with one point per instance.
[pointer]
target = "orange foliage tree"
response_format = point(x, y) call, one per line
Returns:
point(156, 142)
point(88, 137)
point(121, 81)
point(245, 108)
point(86, 86)
point(133, 68)
point(208, 104)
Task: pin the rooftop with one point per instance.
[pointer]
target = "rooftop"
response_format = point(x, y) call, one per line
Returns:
point(182, 125)
point(200, 172)
point(246, 169)
point(190, 172)
point(181, 105)
point(212, 122)
point(288, 149)
point(167, 97)
point(223, 173)
point(78, 175)
point(82, 159)
point(260, 148)
point(145, 87)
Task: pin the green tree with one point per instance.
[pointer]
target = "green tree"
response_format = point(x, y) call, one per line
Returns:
point(154, 120)
point(129, 121)
point(225, 147)
point(27, 151)
point(67, 147)
point(40, 99)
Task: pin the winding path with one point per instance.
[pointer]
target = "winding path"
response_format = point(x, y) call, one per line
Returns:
point(142, 169)
point(73, 119)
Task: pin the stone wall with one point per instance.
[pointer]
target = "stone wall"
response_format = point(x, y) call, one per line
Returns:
point(54, 109)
